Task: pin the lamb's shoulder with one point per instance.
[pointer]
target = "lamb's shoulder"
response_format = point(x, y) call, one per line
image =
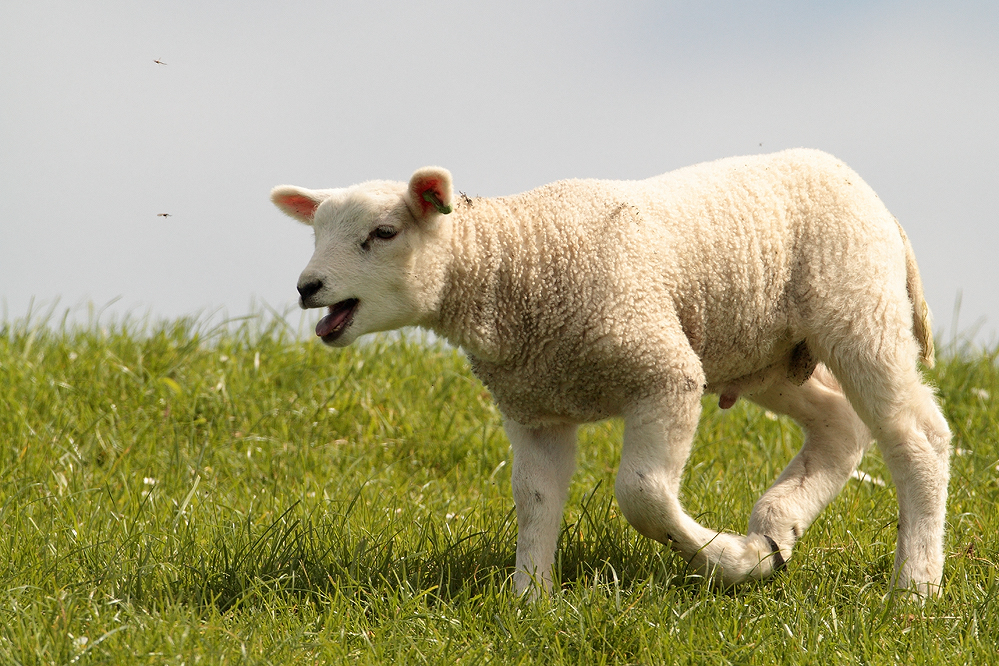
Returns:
point(547, 312)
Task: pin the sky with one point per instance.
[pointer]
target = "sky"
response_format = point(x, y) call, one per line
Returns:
point(97, 139)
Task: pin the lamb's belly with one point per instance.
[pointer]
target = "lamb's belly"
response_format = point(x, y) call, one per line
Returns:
point(536, 400)
point(793, 362)
point(746, 350)
point(536, 411)
point(739, 371)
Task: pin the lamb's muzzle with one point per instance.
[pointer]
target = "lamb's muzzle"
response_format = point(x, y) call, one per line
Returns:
point(307, 290)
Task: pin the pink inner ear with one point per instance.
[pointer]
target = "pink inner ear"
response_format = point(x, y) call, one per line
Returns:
point(302, 205)
point(425, 185)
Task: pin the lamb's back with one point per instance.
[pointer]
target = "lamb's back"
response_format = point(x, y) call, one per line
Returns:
point(601, 280)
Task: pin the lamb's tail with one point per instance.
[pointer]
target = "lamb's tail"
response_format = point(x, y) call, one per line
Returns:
point(920, 311)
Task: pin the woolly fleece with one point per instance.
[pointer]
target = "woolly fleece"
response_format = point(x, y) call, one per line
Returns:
point(782, 278)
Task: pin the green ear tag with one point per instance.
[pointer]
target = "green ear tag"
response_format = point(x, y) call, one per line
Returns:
point(431, 197)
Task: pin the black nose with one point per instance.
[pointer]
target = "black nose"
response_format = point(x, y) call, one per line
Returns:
point(308, 289)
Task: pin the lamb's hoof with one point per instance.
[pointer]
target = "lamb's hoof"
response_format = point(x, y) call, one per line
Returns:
point(778, 563)
point(918, 593)
point(530, 586)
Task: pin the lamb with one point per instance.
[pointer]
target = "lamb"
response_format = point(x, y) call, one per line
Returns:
point(779, 278)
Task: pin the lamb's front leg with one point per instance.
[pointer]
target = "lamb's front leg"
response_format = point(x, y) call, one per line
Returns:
point(657, 440)
point(543, 462)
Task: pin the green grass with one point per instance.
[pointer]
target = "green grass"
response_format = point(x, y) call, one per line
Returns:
point(172, 494)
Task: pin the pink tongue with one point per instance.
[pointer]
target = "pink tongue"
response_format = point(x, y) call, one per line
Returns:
point(333, 320)
point(326, 325)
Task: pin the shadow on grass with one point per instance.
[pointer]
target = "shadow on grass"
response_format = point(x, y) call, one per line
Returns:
point(319, 556)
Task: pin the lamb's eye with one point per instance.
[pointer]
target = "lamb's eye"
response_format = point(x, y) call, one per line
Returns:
point(385, 232)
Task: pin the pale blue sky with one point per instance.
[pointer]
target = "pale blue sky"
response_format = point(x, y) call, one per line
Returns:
point(96, 138)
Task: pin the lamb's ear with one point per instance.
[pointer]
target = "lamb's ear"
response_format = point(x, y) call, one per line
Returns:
point(430, 193)
point(298, 202)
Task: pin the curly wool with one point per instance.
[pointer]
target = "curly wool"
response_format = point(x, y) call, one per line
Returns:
point(570, 299)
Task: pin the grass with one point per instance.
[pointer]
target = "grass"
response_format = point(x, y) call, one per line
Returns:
point(178, 495)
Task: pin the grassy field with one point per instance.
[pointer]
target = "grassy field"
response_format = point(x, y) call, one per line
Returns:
point(178, 495)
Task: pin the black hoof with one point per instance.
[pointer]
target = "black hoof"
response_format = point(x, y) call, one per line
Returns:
point(779, 563)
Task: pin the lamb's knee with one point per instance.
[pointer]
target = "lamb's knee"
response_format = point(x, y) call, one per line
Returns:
point(644, 501)
point(537, 502)
point(935, 426)
point(918, 430)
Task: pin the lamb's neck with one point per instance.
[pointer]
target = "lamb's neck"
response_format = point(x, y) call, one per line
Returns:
point(473, 306)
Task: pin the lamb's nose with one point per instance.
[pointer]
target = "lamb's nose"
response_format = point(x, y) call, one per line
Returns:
point(307, 289)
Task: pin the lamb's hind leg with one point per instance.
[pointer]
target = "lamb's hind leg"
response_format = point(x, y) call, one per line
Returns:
point(657, 439)
point(835, 441)
point(887, 391)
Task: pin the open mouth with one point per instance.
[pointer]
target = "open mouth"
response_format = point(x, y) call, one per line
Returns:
point(336, 322)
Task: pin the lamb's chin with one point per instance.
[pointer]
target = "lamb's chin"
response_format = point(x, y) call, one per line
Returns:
point(338, 341)
point(342, 338)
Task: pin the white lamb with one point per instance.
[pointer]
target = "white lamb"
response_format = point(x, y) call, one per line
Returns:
point(781, 278)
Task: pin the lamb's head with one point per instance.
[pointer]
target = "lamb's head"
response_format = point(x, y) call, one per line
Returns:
point(378, 255)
